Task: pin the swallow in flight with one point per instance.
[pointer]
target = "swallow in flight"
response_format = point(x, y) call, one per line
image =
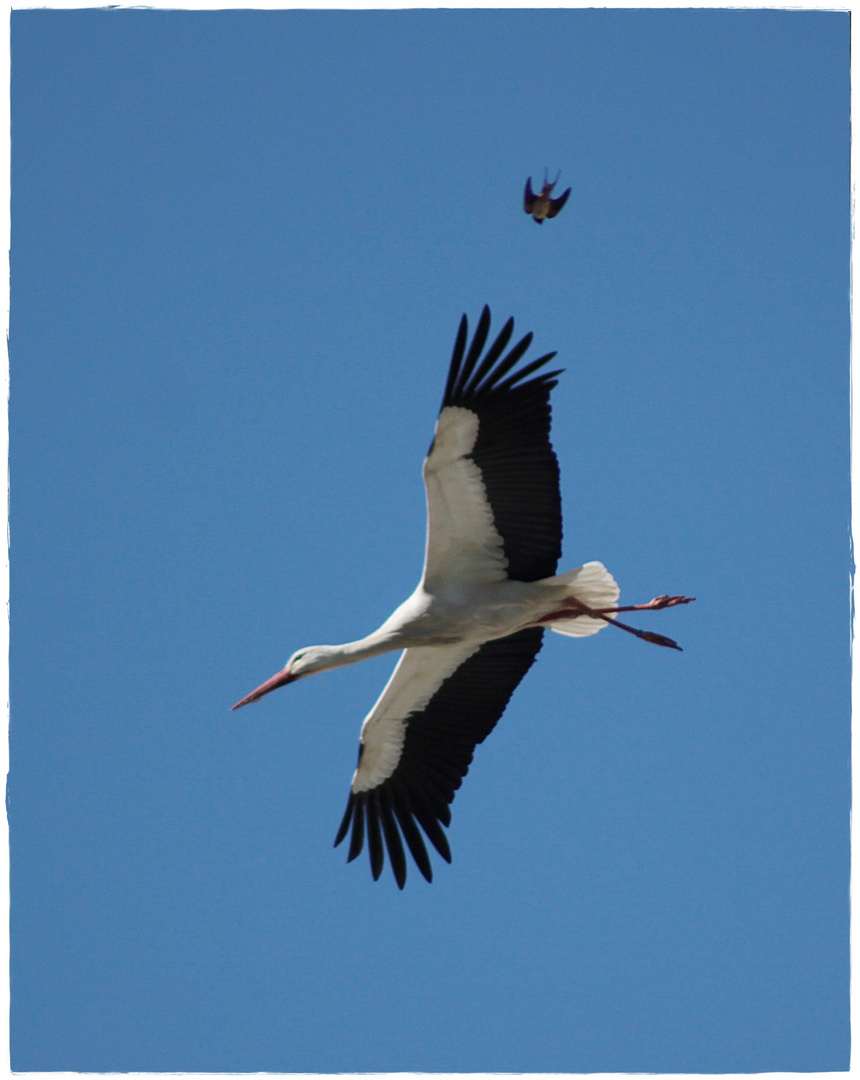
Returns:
point(543, 205)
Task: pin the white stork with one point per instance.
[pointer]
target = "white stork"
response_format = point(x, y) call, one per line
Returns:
point(473, 627)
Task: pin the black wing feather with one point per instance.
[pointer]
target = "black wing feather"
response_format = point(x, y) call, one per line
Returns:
point(428, 817)
point(392, 837)
point(495, 350)
point(457, 355)
point(411, 835)
point(529, 369)
point(356, 841)
point(347, 820)
point(466, 706)
point(374, 835)
point(478, 341)
point(502, 368)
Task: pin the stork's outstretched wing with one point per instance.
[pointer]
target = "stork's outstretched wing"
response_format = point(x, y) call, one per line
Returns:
point(493, 502)
point(417, 744)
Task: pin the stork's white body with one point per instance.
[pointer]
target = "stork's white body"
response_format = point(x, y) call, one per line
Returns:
point(442, 629)
point(455, 612)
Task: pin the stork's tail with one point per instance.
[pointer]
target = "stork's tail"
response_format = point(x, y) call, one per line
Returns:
point(595, 587)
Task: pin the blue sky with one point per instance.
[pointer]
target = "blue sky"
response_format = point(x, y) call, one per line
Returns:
point(241, 244)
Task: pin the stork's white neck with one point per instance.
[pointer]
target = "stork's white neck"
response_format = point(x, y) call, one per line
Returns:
point(316, 658)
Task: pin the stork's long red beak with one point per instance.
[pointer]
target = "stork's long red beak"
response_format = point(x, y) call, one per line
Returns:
point(281, 679)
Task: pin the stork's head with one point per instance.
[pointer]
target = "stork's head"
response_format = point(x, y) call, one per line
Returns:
point(302, 663)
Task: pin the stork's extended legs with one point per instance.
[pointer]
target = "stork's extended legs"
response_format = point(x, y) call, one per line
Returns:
point(657, 604)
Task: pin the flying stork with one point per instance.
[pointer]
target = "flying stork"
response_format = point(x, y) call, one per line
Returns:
point(473, 627)
point(542, 205)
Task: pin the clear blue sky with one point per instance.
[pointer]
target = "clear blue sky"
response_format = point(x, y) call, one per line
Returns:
point(241, 243)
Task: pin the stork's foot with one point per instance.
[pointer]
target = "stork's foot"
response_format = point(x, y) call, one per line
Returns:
point(657, 639)
point(660, 602)
point(657, 604)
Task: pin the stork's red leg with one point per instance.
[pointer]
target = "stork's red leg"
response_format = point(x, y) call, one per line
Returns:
point(657, 604)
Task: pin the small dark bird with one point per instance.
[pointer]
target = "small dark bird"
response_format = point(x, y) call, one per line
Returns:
point(542, 206)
